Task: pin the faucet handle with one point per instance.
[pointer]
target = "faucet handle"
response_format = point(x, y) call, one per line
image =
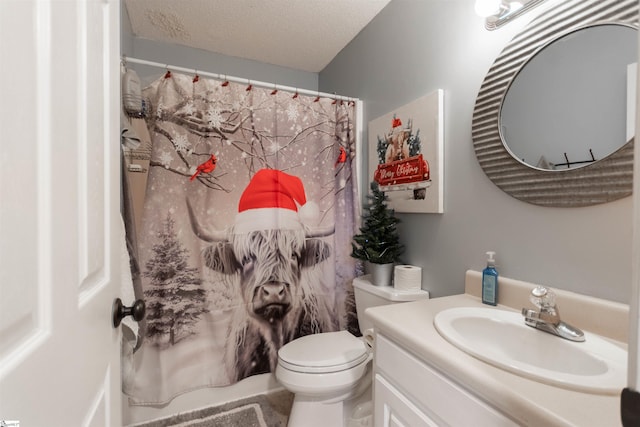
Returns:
point(543, 298)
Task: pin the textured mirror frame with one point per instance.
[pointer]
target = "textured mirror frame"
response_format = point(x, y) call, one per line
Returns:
point(603, 181)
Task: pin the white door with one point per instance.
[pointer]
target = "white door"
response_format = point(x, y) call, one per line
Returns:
point(59, 212)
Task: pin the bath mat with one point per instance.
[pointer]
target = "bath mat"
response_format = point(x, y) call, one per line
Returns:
point(265, 410)
point(248, 415)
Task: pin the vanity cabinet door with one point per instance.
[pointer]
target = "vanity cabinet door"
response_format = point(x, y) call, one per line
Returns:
point(428, 390)
point(392, 409)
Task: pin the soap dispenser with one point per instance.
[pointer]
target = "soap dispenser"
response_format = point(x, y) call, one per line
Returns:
point(490, 281)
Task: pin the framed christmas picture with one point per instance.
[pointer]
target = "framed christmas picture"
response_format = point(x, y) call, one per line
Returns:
point(406, 155)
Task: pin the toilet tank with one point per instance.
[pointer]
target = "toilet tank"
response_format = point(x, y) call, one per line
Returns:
point(369, 295)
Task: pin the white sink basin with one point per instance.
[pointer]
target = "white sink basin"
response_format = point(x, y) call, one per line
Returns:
point(502, 339)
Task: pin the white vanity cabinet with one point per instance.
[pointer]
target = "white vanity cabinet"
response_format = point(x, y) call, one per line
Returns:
point(409, 392)
point(421, 379)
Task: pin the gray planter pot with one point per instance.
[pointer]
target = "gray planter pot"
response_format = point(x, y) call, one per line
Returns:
point(381, 274)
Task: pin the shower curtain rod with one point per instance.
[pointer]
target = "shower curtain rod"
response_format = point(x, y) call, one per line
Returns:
point(126, 59)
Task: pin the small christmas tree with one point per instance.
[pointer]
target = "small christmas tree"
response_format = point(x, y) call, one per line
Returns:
point(379, 242)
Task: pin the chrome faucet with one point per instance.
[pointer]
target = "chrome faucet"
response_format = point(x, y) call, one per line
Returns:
point(547, 319)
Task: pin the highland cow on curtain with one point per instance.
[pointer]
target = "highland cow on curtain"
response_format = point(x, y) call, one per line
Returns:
point(245, 242)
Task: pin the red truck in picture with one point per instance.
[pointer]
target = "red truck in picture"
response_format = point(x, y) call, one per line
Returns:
point(402, 166)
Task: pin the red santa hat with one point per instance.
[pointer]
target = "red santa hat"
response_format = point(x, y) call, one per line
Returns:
point(274, 200)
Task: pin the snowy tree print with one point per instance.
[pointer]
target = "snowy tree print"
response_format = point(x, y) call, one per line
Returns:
point(174, 296)
point(246, 130)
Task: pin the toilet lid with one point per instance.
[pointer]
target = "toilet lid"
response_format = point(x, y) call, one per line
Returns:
point(323, 353)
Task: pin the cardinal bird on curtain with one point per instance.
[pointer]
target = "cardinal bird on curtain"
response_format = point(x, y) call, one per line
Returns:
point(206, 167)
point(342, 157)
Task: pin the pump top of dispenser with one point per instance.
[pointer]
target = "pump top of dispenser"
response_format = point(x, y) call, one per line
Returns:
point(491, 260)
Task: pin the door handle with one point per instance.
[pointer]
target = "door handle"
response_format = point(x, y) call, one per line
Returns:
point(119, 311)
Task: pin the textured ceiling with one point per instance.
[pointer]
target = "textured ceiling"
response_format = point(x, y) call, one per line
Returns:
point(300, 34)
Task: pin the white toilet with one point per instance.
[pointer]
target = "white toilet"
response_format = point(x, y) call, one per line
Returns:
point(330, 373)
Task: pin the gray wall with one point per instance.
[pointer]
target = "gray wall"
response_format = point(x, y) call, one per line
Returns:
point(126, 34)
point(414, 47)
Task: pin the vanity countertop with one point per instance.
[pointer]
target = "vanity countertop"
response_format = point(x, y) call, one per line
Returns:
point(528, 402)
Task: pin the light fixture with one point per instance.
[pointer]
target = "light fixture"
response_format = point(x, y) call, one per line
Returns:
point(499, 12)
point(487, 8)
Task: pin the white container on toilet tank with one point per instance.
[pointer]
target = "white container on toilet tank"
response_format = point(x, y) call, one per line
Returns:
point(331, 373)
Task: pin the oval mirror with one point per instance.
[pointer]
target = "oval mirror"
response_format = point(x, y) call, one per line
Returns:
point(607, 179)
point(577, 87)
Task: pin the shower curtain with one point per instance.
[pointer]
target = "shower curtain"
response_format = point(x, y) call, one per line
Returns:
point(245, 242)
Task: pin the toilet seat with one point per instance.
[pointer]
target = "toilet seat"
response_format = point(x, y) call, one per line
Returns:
point(323, 353)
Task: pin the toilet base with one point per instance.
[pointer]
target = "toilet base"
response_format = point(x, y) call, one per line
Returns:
point(354, 411)
point(306, 412)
